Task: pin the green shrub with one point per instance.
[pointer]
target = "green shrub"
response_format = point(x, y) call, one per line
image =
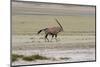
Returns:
point(34, 57)
point(40, 57)
point(64, 58)
point(28, 58)
point(15, 57)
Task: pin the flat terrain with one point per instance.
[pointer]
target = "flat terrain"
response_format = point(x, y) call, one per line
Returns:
point(70, 48)
point(30, 24)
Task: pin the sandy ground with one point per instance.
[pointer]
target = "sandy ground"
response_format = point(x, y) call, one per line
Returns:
point(76, 48)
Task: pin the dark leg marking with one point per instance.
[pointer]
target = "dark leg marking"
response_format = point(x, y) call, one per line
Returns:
point(46, 37)
point(52, 37)
point(56, 37)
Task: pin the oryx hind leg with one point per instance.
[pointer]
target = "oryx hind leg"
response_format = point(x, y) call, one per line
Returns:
point(52, 38)
point(56, 37)
point(46, 37)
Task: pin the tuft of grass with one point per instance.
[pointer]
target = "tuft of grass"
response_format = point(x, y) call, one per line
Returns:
point(54, 59)
point(40, 57)
point(34, 57)
point(15, 57)
point(64, 58)
point(28, 58)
